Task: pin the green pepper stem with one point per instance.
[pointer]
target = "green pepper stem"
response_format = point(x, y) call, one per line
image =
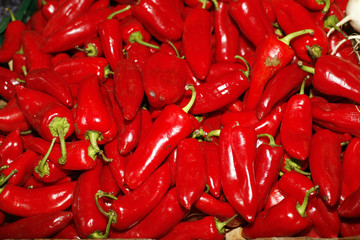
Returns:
point(175, 49)
point(303, 84)
point(216, 4)
point(271, 139)
point(204, 4)
point(138, 37)
point(306, 68)
point(4, 167)
point(247, 72)
point(12, 16)
point(192, 100)
point(90, 50)
point(326, 7)
point(98, 234)
point(302, 208)
point(100, 194)
point(291, 165)
point(107, 71)
point(20, 80)
point(221, 225)
point(119, 11)
point(43, 167)
point(93, 137)
point(293, 35)
point(213, 133)
point(23, 68)
point(4, 180)
point(106, 159)
point(62, 159)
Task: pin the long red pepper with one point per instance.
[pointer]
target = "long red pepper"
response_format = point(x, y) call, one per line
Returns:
point(68, 232)
point(350, 163)
point(190, 159)
point(12, 118)
point(39, 226)
point(21, 201)
point(325, 165)
point(11, 147)
point(129, 138)
point(12, 39)
point(271, 56)
point(173, 125)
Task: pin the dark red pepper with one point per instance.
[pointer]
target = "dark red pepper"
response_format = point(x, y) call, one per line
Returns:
point(350, 207)
point(350, 163)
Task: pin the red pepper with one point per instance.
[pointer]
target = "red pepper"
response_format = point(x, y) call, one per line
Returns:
point(8, 81)
point(37, 22)
point(284, 84)
point(197, 41)
point(173, 125)
point(271, 56)
point(197, 4)
point(285, 219)
point(210, 150)
point(129, 138)
point(190, 159)
point(20, 201)
point(32, 43)
point(19, 62)
point(325, 165)
point(75, 69)
point(12, 39)
point(28, 227)
point(50, 82)
point(250, 15)
point(107, 182)
point(47, 171)
point(164, 79)
point(350, 227)
point(92, 47)
point(78, 31)
point(331, 79)
point(350, 207)
point(267, 168)
point(11, 147)
point(133, 31)
point(275, 196)
point(296, 125)
point(49, 8)
point(146, 123)
point(128, 87)
point(138, 53)
point(305, 47)
point(237, 151)
point(12, 118)
point(242, 118)
point(65, 14)
point(160, 18)
point(206, 228)
point(68, 232)
point(164, 217)
point(99, 4)
point(217, 69)
point(316, 5)
point(350, 163)
point(87, 217)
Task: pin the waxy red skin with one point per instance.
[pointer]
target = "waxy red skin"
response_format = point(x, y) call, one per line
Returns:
point(11, 147)
point(28, 227)
point(350, 163)
point(350, 227)
point(21, 201)
point(55, 173)
point(68, 232)
point(49, 81)
point(8, 82)
point(164, 79)
point(129, 138)
point(325, 165)
point(12, 118)
point(197, 41)
point(210, 149)
point(350, 207)
point(128, 87)
point(129, 25)
point(49, 8)
point(36, 22)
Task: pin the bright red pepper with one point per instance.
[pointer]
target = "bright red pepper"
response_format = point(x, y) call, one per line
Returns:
point(37, 22)
point(350, 207)
point(350, 227)
point(217, 69)
point(146, 123)
point(275, 196)
point(92, 47)
point(129, 138)
point(8, 81)
point(132, 30)
point(28, 227)
point(68, 232)
point(316, 5)
point(138, 53)
point(12, 118)
point(12, 39)
point(190, 159)
point(49, 8)
point(47, 171)
point(325, 165)
point(11, 147)
point(350, 163)
point(107, 182)
point(19, 63)
point(242, 118)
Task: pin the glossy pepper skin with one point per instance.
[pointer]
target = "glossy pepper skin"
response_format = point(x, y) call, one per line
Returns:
point(12, 39)
point(129, 138)
point(11, 147)
point(190, 159)
point(237, 151)
point(325, 165)
point(210, 149)
point(12, 118)
point(197, 41)
point(8, 82)
point(21, 201)
point(173, 125)
point(27, 227)
point(350, 207)
point(350, 163)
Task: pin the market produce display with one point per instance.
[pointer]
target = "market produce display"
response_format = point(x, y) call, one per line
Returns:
point(180, 119)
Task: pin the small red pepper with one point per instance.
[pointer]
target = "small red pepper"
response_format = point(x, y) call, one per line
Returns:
point(8, 81)
point(49, 8)
point(12, 118)
point(68, 232)
point(275, 196)
point(316, 5)
point(11, 147)
point(133, 31)
point(129, 138)
point(108, 183)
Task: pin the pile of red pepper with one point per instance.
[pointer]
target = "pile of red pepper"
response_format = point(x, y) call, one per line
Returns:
point(179, 119)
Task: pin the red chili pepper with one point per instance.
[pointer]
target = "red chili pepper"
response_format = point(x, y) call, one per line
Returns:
point(296, 125)
point(210, 150)
point(250, 15)
point(107, 182)
point(206, 228)
point(306, 47)
point(284, 84)
point(11, 147)
point(271, 56)
point(237, 151)
point(47, 171)
point(48, 117)
point(325, 165)
point(190, 159)
point(129, 138)
point(28, 227)
point(350, 163)
point(350, 227)
point(12, 118)
point(164, 79)
point(138, 53)
point(217, 69)
point(146, 123)
point(92, 47)
point(197, 41)
point(285, 219)
point(242, 118)
point(19, 63)
point(128, 87)
point(164, 217)
point(20, 201)
point(50, 82)
point(119, 118)
point(68, 232)
point(8, 81)
point(275, 196)
point(160, 18)
point(350, 207)
point(12, 38)
point(132, 30)
point(33, 182)
point(197, 4)
point(99, 4)
point(49, 8)
point(269, 10)
point(267, 168)
point(32, 43)
point(87, 217)
point(315, 5)
point(79, 30)
point(37, 22)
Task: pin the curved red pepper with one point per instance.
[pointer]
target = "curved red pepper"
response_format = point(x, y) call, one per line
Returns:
point(12, 118)
point(130, 27)
point(37, 21)
point(190, 159)
point(350, 163)
point(275, 196)
point(21, 201)
point(316, 5)
point(350, 227)
point(8, 81)
point(129, 138)
point(12, 39)
point(49, 81)
point(49, 8)
point(271, 123)
point(164, 79)
point(11, 147)
point(325, 165)
point(242, 118)
point(47, 171)
point(68, 232)
point(146, 123)
point(217, 69)
point(128, 87)
point(197, 41)
point(107, 181)
point(28, 227)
